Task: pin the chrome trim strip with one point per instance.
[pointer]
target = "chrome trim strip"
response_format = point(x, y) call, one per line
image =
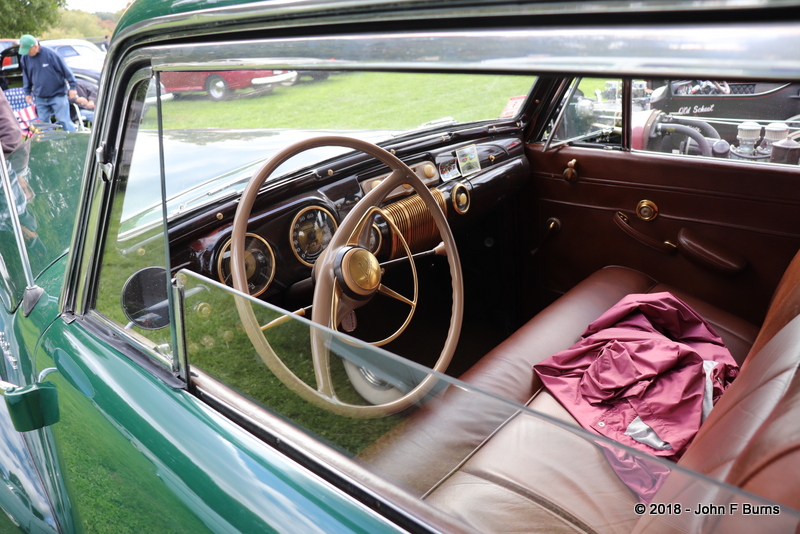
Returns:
point(278, 78)
point(725, 51)
point(180, 355)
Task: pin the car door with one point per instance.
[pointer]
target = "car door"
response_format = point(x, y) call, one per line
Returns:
point(723, 228)
point(135, 450)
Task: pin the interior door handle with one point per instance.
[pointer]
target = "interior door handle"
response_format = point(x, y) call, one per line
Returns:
point(662, 246)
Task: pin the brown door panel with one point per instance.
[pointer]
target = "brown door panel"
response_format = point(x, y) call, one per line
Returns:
point(749, 210)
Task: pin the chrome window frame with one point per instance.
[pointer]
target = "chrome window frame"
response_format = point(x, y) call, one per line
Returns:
point(723, 51)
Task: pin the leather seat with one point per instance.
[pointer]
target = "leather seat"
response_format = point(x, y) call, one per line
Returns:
point(480, 460)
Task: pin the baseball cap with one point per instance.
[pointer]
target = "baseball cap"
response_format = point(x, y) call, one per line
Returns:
point(25, 44)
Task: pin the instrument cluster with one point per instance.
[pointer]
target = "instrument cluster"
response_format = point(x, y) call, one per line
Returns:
point(287, 235)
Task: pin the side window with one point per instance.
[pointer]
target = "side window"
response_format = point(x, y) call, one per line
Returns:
point(591, 116)
point(132, 285)
point(745, 121)
point(67, 51)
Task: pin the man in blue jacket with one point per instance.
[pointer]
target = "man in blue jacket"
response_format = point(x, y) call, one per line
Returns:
point(45, 78)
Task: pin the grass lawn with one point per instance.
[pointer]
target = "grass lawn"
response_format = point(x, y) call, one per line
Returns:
point(358, 100)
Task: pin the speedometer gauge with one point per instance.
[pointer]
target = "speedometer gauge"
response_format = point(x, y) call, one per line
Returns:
point(311, 232)
point(259, 264)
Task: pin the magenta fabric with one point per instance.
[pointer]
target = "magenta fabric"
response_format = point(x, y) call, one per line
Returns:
point(643, 357)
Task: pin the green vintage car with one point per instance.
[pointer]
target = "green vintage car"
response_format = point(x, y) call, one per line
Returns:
point(319, 309)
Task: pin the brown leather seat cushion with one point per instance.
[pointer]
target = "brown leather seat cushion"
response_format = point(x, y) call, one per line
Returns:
point(752, 438)
point(437, 439)
point(480, 460)
point(536, 475)
point(532, 472)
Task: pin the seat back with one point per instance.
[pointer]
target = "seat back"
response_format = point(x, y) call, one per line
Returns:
point(784, 307)
point(751, 439)
point(763, 380)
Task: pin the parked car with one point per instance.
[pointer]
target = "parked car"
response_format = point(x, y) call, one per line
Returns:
point(716, 101)
point(220, 85)
point(336, 309)
point(8, 61)
point(6, 43)
point(77, 53)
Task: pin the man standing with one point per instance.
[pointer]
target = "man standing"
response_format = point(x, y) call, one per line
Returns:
point(45, 77)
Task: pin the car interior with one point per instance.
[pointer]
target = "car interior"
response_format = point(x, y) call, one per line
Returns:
point(573, 193)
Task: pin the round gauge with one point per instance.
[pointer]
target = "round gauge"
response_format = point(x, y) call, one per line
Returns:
point(259, 264)
point(312, 230)
point(375, 239)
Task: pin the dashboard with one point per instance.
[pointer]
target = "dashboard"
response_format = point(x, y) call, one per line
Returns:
point(293, 220)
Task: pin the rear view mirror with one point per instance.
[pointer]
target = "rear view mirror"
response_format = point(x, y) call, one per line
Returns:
point(144, 298)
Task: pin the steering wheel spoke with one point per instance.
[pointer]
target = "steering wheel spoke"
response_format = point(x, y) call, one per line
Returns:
point(320, 348)
point(389, 292)
point(361, 231)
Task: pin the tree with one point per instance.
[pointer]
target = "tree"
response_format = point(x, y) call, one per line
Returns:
point(76, 23)
point(18, 17)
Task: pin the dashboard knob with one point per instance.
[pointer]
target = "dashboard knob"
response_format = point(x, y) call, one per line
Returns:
point(460, 198)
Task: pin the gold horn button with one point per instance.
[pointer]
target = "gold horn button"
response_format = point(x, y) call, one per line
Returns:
point(361, 271)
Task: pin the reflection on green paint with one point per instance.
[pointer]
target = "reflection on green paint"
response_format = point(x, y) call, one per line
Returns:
point(112, 491)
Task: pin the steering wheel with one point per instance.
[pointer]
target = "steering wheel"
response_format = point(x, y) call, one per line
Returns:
point(347, 277)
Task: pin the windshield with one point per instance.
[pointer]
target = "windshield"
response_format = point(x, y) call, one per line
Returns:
point(221, 126)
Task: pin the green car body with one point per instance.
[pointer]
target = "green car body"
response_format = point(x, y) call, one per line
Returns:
point(172, 429)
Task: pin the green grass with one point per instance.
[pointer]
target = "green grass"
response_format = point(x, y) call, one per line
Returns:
point(218, 345)
point(355, 101)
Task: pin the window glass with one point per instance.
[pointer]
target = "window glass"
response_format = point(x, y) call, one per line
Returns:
point(264, 359)
point(592, 115)
point(67, 51)
point(43, 187)
point(132, 290)
point(756, 122)
point(87, 50)
point(250, 114)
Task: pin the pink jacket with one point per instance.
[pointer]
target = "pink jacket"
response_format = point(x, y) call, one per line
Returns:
point(646, 373)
